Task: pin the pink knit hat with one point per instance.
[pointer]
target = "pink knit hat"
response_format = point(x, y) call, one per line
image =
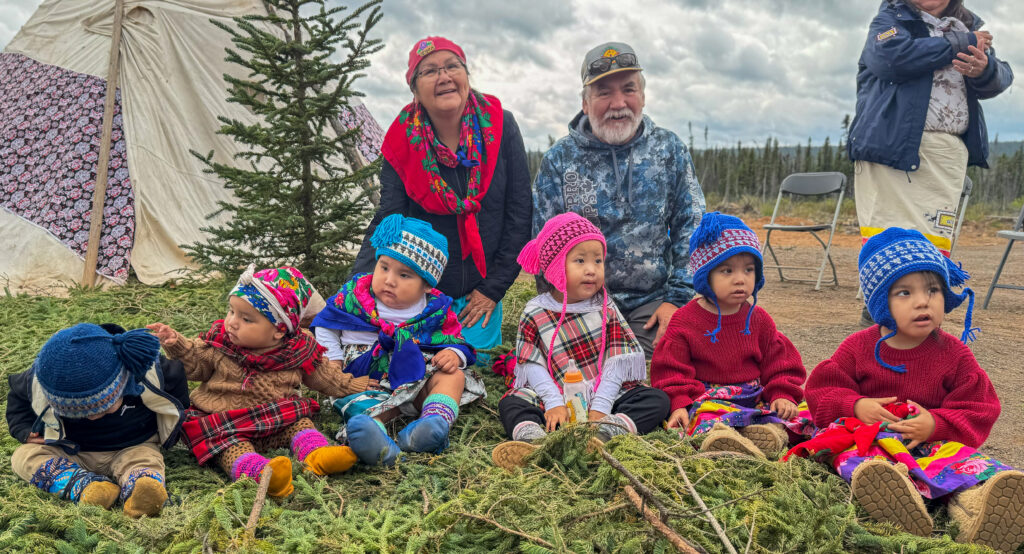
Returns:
point(546, 254)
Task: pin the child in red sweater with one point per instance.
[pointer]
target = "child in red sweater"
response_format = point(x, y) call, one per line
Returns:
point(722, 362)
point(907, 366)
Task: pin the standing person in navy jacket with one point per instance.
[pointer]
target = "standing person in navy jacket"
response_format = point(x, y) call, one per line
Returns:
point(919, 124)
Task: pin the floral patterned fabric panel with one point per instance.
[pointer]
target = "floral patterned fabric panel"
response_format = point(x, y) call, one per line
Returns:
point(50, 128)
point(372, 134)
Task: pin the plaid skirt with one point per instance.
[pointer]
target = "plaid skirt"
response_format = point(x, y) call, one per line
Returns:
point(210, 434)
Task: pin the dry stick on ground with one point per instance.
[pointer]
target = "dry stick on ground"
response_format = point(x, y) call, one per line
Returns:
point(490, 521)
point(644, 490)
point(261, 498)
point(677, 541)
point(426, 501)
point(607, 510)
point(707, 513)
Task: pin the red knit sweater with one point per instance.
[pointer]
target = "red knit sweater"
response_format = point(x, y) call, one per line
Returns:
point(685, 357)
point(942, 376)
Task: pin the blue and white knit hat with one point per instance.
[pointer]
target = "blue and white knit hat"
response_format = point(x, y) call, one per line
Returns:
point(414, 243)
point(83, 370)
point(895, 252)
point(718, 238)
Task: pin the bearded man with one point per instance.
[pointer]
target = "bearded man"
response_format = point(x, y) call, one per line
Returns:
point(636, 182)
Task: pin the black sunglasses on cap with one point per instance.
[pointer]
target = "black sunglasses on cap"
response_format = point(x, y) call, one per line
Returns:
point(602, 65)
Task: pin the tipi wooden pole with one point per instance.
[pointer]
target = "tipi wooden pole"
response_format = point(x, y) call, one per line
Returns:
point(99, 193)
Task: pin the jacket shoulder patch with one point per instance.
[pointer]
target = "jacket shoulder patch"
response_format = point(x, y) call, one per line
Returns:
point(886, 35)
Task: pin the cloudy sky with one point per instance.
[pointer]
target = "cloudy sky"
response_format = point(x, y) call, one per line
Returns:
point(746, 69)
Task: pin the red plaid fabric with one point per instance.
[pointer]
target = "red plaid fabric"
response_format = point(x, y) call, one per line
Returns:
point(579, 339)
point(210, 434)
point(299, 350)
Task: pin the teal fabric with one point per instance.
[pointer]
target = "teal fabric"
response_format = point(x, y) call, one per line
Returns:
point(479, 337)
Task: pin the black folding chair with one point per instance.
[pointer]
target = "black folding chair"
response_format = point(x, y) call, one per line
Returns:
point(808, 185)
point(1017, 233)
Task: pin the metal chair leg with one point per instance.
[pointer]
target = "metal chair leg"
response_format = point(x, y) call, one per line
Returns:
point(995, 278)
point(828, 259)
point(775, 259)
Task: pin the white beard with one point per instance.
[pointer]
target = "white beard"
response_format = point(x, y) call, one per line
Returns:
point(617, 132)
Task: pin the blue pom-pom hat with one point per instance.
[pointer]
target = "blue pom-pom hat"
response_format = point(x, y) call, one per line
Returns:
point(414, 243)
point(893, 253)
point(718, 238)
point(83, 370)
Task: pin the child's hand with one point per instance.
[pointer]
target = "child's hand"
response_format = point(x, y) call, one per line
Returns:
point(446, 360)
point(918, 428)
point(679, 419)
point(372, 384)
point(167, 336)
point(594, 415)
point(556, 416)
point(872, 410)
point(35, 438)
point(785, 408)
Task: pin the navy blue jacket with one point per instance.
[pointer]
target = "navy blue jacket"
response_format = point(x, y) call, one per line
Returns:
point(894, 83)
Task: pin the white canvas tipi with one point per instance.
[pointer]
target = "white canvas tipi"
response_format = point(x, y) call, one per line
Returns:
point(171, 90)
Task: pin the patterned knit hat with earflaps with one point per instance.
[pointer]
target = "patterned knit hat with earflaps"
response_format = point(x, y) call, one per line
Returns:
point(895, 252)
point(545, 255)
point(718, 238)
point(83, 370)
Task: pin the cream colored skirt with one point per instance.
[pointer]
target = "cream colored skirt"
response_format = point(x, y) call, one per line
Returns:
point(925, 200)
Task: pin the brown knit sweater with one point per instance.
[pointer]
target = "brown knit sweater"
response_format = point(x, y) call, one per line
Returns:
point(222, 378)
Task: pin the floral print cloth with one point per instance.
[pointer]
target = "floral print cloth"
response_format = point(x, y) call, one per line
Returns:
point(740, 405)
point(936, 468)
point(50, 127)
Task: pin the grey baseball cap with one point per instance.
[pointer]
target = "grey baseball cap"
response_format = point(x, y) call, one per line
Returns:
point(604, 59)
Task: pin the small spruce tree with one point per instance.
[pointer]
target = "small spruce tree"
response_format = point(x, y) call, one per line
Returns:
point(295, 204)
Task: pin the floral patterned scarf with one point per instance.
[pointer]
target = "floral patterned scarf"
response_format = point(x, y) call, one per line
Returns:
point(413, 149)
point(398, 354)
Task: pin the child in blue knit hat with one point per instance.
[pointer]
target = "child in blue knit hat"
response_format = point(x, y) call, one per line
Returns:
point(722, 361)
point(394, 326)
point(916, 400)
point(93, 412)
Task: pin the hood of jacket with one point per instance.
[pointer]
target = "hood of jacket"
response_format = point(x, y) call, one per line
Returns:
point(581, 133)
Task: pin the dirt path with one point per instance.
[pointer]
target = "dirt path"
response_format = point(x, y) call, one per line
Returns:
point(817, 322)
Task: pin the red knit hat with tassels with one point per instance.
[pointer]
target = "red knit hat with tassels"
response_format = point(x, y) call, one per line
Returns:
point(546, 255)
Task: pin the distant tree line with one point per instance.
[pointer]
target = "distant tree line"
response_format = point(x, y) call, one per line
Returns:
point(755, 170)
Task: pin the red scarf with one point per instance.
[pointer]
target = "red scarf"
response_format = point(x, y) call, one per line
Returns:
point(847, 432)
point(299, 351)
point(413, 149)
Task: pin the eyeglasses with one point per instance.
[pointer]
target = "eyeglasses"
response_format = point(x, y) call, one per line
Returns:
point(431, 73)
point(602, 65)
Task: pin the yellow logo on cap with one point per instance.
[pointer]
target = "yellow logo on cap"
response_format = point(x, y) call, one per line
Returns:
point(610, 53)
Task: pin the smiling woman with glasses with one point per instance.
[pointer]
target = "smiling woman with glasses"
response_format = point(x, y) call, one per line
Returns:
point(454, 158)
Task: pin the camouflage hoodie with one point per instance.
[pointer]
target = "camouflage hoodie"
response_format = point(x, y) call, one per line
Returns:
point(644, 197)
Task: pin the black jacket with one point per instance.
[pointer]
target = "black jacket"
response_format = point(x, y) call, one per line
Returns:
point(166, 381)
point(504, 219)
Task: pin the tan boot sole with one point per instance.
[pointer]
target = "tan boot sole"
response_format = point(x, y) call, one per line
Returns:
point(512, 454)
point(1000, 525)
point(147, 499)
point(765, 438)
point(722, 438)
point(100, 493)
point(888, 495)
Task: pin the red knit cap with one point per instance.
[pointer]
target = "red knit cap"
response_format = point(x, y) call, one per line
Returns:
point(426, 47)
